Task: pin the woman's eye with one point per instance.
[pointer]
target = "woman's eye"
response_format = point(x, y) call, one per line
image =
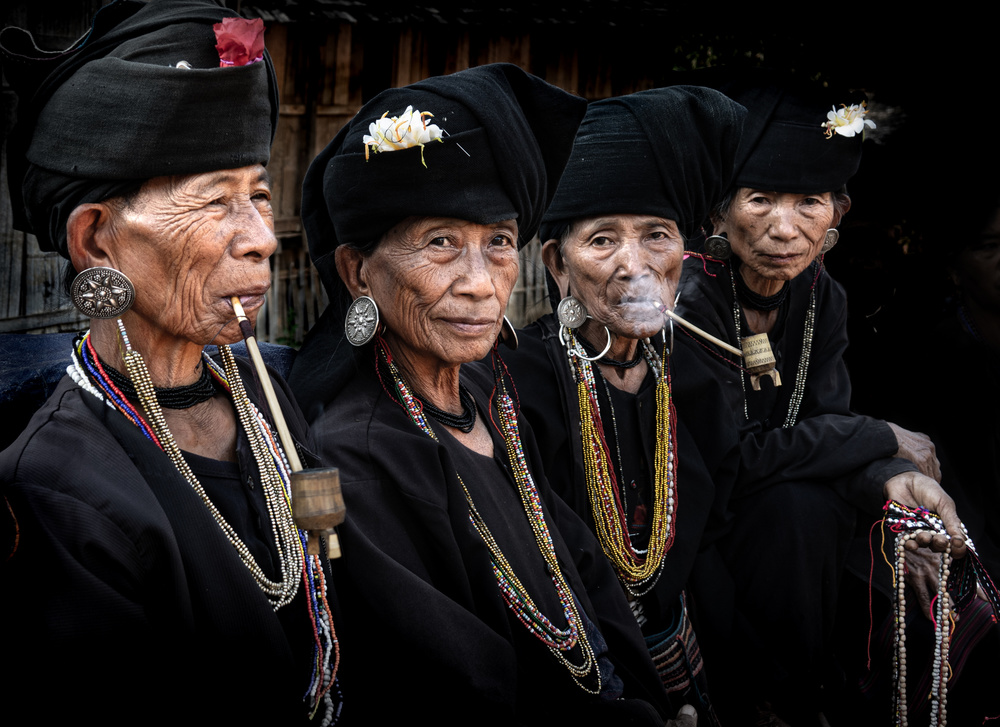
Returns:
point(501, 241)
point(439, 241)
point(809, 201)
point(262, 196)
point(601, 241)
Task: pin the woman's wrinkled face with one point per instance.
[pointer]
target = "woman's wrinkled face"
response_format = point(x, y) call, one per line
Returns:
point(777, 234)
point(189, 243)
point(442, 286)
point(619, 267)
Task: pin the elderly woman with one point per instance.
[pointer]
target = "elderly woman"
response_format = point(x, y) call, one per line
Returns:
point(595, 378)
point(459, 563)
point(806, 460)
point(157, 575)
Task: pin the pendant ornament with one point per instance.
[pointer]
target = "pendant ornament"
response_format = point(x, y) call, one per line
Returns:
point(101, 292)
point(831, 239)
point(759, 359)
point(718, 247)
point(362, 321)
point(571, 312)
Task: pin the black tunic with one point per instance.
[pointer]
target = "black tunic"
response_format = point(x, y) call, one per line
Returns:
point(124, 601)
point(798, 489)
point(548, 396)
point(427, 622)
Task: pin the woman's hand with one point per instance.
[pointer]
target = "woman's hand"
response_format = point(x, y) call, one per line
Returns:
point(919, 449)
point(687, 716)
point(914, 489)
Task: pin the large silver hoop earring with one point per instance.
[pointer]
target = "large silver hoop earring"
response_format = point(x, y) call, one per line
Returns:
point(718, 246)
point(508, 336)
point(362, 321)
point(102, 292)
point(578, 349)
point(571, 312)
point(831, 239)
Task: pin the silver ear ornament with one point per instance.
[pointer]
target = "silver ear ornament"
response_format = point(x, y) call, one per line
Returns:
point(101, 292)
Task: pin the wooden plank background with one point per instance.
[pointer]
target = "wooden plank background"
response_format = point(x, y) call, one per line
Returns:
point(327, 67)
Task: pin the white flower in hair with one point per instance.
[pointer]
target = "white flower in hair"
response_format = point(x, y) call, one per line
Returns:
point(401, 132)
point(847, 120)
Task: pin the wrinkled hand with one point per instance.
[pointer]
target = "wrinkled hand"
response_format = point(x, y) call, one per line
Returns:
point(922, 576)
point(687, 716)
point(919, 449)
point(917, 490)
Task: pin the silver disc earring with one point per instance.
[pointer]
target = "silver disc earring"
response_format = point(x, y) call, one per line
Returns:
point(718, 246)
point(831, 239)
point(362, 321)
point(102, 292)
point(571, 312)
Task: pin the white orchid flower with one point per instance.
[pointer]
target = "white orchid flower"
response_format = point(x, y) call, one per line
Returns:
point(401, 132)
point(847, 120)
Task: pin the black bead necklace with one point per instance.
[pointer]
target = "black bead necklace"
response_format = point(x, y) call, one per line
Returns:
point(177, 397)
point(632, 363)
point(463, 422)
point(755, 301)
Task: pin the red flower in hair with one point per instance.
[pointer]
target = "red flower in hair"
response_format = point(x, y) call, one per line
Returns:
point(239, 41)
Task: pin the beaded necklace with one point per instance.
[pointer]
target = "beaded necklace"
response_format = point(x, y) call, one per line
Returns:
point(958, 577)
point(638, 570)
point(807, 338)
point(88, 372)
point(515, 595)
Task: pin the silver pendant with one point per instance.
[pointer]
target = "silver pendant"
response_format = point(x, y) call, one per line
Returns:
point(362, 321)
point(102, 292)
point(571, 312)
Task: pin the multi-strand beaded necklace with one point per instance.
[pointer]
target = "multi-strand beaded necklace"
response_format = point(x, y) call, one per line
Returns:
point(807, 338)
point(90, 374)
point(515, 595)
point(638, 569)
point(960, 577)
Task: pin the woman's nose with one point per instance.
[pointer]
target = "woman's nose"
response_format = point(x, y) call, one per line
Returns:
point(253, 231)
point(475, 278)
point(632, 259)
point(782, 221)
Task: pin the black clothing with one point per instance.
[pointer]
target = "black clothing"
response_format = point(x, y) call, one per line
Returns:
point(123, 598)
point(428, 622)
point(797, 490)
point(548, 395)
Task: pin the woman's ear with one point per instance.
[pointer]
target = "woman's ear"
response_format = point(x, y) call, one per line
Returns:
point(350, 266)
point(88, 236)
point(840, 210)
point(556, 265)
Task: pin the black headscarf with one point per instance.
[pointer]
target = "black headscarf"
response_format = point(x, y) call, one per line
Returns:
point(785, 146)
point(667, 152)
point(114, 110)
point(508, 135)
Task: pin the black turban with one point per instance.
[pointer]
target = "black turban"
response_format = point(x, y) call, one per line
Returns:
point(507, 137)
point(667, 152)
point(115, 110)
point(785, 146)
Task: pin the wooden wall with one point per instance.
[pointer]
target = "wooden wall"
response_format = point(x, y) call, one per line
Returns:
point(326, 71)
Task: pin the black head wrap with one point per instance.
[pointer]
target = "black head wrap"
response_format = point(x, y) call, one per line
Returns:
point(786, 147)
point(507, 137)
point(114, 109)
point(667, 152)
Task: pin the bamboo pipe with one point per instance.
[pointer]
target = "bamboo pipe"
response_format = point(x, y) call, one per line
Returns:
point(704, 334)
point(317, 503)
